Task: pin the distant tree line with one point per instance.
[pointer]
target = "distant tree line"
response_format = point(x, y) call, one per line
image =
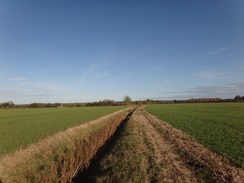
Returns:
point(103, 103)
point(6, 105)
point(127, 101)
point(237, 98)
point(150, 101)
point(43, 105)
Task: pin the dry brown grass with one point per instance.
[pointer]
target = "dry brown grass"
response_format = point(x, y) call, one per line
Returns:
point(58, 158)
point(166, 165)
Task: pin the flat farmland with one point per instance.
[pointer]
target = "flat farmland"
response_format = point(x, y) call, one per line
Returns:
point(130, 145)
point(218, 126)
point(20, 127)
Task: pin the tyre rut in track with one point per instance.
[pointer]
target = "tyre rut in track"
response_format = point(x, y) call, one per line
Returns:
point(163, 153)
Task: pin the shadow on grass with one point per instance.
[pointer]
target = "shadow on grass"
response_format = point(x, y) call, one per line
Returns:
point(88, 175)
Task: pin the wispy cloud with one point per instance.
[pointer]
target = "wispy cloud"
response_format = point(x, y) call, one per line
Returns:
point(155, 68)
point(92, 74)
point(85, 74)
point(230, 89)
point(18, 79)
point(20, 87)
point(217, 51)
point(212, 75)
point(153, 65)
point(128, 60)
point(150, 63)
point(38, 95)
point(223, 91)
point(99, 75)
point(22, 84)
point(13, 80)
point(50, 87)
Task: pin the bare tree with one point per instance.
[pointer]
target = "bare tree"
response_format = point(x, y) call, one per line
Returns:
point(237, 97)
point(127, 100)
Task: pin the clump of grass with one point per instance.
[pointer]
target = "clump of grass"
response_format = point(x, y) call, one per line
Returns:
point(218, 126)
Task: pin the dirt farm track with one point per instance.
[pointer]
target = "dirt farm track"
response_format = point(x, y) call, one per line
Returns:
point(130, 145)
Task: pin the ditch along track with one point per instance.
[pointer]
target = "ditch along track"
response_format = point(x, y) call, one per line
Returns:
point(184, 160)
point(88, 175)
point(58, 158)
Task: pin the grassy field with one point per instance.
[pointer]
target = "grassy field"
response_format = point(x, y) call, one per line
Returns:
point(19, 127)
point(219, 126)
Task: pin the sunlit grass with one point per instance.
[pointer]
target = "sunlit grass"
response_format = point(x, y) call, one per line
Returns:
point(219, 126)
point(19, 127)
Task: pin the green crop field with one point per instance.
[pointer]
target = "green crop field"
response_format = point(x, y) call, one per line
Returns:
point(19, 127)
point(219, 126)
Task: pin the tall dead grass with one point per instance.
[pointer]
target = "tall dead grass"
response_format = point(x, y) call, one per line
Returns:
point(59, 157)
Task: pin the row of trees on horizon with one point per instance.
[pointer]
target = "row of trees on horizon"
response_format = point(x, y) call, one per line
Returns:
point(127, 101)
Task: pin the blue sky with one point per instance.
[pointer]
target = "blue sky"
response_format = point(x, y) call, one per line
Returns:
point(80, 51)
